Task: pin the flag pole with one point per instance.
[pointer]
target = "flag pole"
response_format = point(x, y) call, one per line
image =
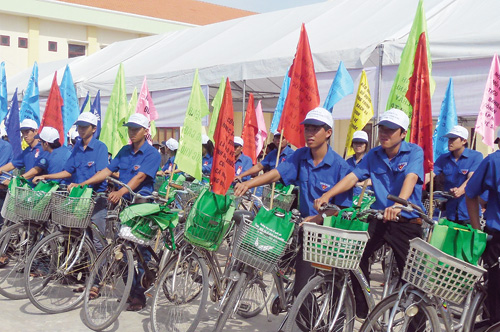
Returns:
point(472, 146)
point(276, 165)
point(360, 198)
point(158, 234)
point(431, 196)
point(263, 156)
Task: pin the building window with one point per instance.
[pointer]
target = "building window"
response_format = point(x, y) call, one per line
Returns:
point(75, 50)
point(22, 42)
point(52, 46)
point(5, 40)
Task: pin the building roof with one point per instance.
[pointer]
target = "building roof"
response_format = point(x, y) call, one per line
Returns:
point(188, 11)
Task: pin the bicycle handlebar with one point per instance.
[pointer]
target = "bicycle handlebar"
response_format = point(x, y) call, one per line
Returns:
point(153, 196)
point(410, 207)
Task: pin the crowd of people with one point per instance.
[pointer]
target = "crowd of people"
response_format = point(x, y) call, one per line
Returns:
point(321, 175)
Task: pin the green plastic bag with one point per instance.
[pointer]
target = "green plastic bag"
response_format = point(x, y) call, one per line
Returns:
point(79, 201)
point(178, 178)
point(9, 205)
point(269, 234)
point(366, 203)
point(208, 220)
point(46, 187)
point(354, 224)
point(462, 242)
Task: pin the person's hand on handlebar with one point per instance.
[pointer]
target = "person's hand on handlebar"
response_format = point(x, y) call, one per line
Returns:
point(457, 192)
point(241, 188)
point(36, 179)
point(115, 196)
point(73, 185)
point(391, 213)
point(320, 202)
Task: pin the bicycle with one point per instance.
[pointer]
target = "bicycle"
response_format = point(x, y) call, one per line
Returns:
point(327, 303)
point(29, 226)
point(111, 276)
point(434, 279)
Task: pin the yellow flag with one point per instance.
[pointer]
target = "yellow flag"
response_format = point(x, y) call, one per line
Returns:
point(362, 111)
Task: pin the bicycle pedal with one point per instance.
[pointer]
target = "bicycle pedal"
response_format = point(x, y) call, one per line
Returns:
point(244, 307)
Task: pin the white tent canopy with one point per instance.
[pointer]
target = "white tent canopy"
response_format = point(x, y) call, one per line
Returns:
point(255, 52)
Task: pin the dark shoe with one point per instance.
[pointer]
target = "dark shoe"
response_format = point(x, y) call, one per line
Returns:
point(361, 307)
point(136, 305)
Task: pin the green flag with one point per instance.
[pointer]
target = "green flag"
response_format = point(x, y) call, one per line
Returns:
point(216, 104)
point(188, 158)
point(397, 97)
point(113, 134)
point(132, 104)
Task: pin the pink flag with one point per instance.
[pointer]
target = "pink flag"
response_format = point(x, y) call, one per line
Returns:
point(489, 112)
point(146, 107)
point(260, 138)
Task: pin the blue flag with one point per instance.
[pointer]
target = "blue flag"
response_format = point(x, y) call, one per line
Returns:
point(4, 102)
point(96, 109)
point(12, 125)
point(342, 86)
point(447, 120)
point(281, 102)
point(30, 107)
point(85, 102)
point(69, 109)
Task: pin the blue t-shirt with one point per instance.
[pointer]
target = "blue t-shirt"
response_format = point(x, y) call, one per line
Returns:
point(29, 157)
point(169, 164)
point(356, 191)
point(54, 162)
point(84, 164)
point(314, 181)
point(206, 164)
point(269, 162)
point(243, 164)
point(487, 178)
point(388, 175)
point(6, 152)
point(455, 174)
point(146, 160)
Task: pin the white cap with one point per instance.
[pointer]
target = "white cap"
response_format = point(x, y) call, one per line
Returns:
point(318, 117)
point(28, 124)
point(48, 134)
point(2, 132)
point(172, 144)
point(458, 131)
point(74, 134)
point(238, 140)
point(137, 120)
point(276, 133)
point(86, 119)
point(498, 137)
point(204, 139)
point(360, 136)
point(394, 119)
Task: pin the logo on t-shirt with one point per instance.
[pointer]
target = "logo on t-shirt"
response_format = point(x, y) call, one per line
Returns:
point(43, 161)
point(402, 165)
point(238, 171)
point(136, 167)
point(205, 163)
point(90, 163)
point(324, 186)
point(464, 171)
point(37, 152)
point(283, 159)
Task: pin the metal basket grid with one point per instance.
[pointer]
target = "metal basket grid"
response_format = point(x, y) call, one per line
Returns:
point(73, 212)
point(135, 235)
point(203, 230)
point(195, 187)
point(281, 200)
point(159, 181)
point(439, 274)
point(9, 208)
point(32, 205)
point(337, 248)
point(257, 248)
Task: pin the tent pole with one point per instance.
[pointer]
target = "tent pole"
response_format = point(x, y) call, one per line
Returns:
point(379, 93)
point(243, 104)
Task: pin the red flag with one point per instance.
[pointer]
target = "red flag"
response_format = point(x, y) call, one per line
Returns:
point(419, 96)
point(303, 94)
point(223, 162)
point(250, 131)
point(52, 116)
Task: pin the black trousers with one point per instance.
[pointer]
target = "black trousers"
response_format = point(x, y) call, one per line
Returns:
point(491, 259)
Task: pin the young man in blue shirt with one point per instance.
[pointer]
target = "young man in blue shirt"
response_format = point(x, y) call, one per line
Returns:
point(137, 164)
point(5, 158)
point(242, 163)
point(458, 166)
point(395, 167)
point(487, 178)
point(314, 169)
point(207, 150)
point(269, 161)
point(360, 146)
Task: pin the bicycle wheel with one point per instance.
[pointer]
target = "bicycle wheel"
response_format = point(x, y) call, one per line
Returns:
point(181, 295)
point(316, 305)
point(478, 318)
point(426, 319)
point(256, 295)
point(234, 294)
point(112, 274)
point(58, 266)
point(16, 242)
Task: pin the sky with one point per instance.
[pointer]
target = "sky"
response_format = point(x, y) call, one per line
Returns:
point(263, 6)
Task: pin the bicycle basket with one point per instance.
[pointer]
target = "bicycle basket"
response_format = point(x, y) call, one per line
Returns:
point(31, 204)
point(437, 273)
point(333, 247)
point(159, 181)
point(204, 230)
point(9, 208)
point(73, 212)
point(281, 199)
point(256, 248)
